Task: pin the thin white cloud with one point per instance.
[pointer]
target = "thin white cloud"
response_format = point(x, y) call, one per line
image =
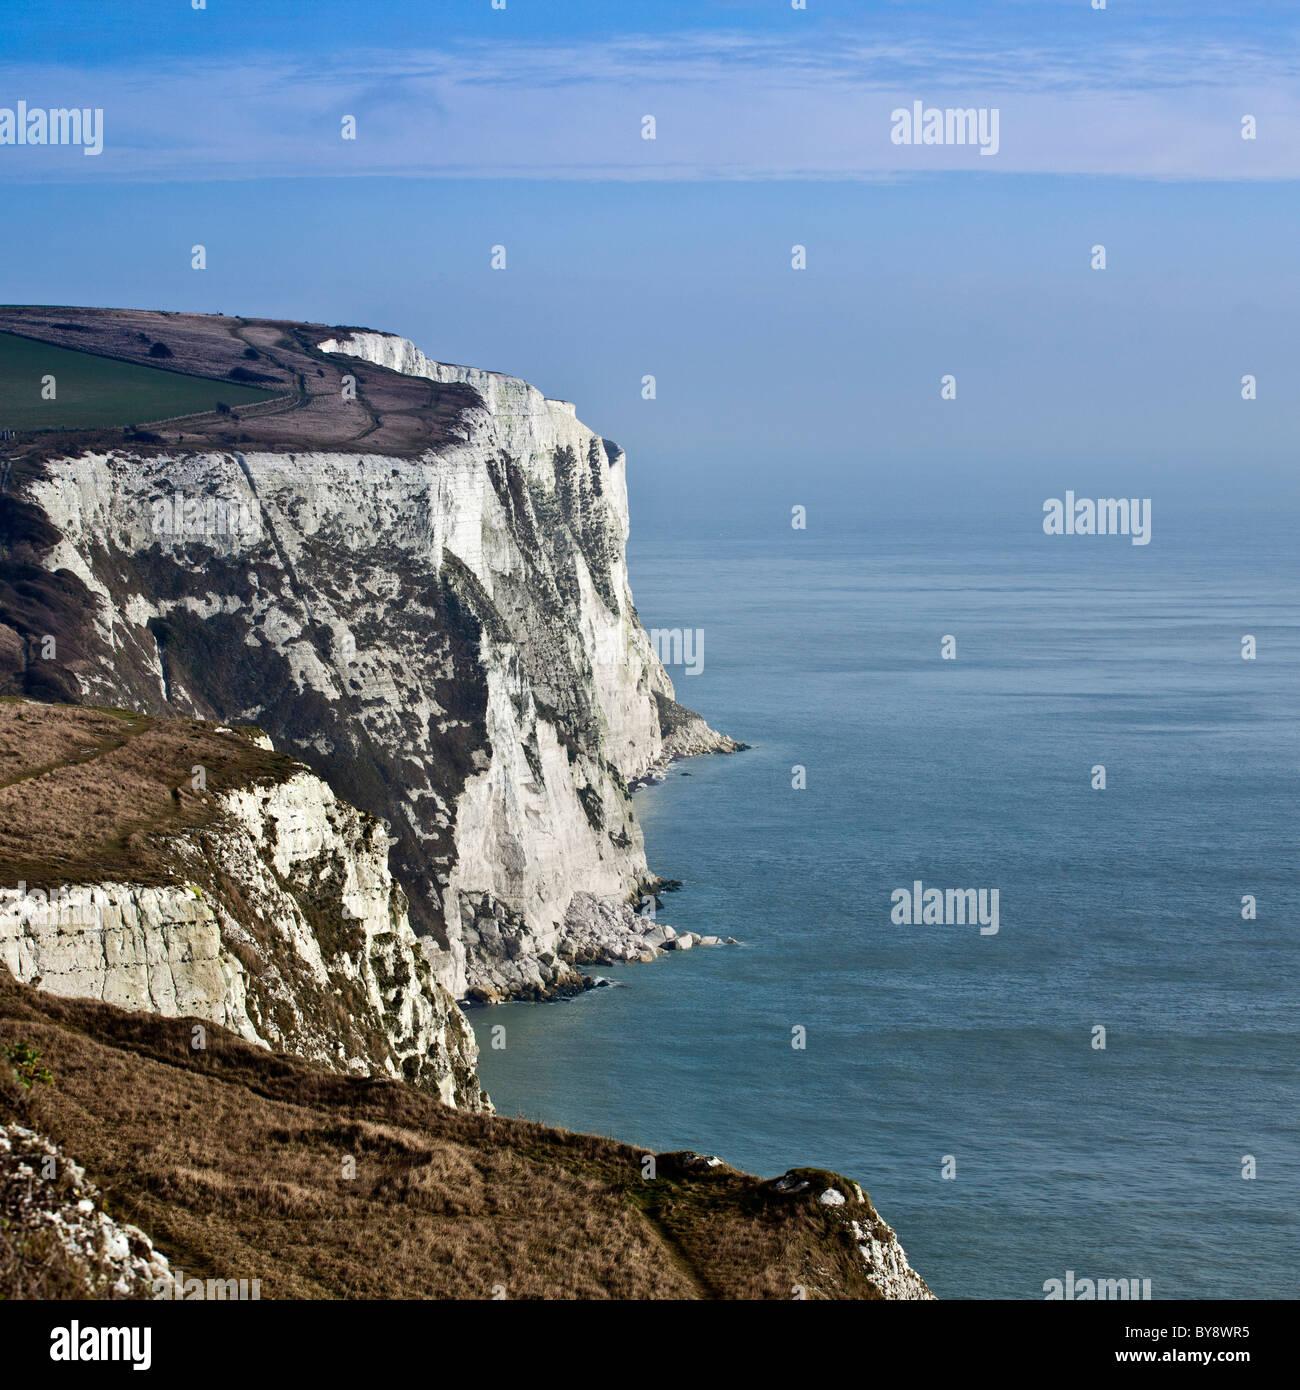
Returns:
point(727, 106)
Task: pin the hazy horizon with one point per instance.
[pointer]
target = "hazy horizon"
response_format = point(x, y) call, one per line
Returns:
point(672, 258)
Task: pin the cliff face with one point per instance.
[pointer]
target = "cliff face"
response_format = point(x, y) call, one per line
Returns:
point(266, 907)
point(287, 929)
point(448, 639)
point(428, 608)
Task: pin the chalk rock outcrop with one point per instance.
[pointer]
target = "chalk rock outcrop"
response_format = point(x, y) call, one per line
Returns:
point(56, 1239)
point(284, 925)
point(883, 1260)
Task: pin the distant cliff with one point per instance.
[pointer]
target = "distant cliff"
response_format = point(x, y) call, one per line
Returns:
point(443, 631)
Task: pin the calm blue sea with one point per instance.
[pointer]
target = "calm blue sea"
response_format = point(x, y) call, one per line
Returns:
point(1119, 908)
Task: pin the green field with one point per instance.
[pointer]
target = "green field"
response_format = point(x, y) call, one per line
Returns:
point(98, 392)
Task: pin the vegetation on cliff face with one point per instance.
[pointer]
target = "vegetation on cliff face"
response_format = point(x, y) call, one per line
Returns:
point(93, 794)
point(417, 587)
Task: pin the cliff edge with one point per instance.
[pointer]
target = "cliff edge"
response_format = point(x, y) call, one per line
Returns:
point(184, 869)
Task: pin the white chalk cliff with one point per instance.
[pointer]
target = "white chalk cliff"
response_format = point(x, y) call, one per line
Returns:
point(427, 607)
point(284, 925)
point(448, 639)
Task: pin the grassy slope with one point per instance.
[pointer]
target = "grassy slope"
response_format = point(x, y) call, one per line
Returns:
point(88, 794)
point(231, 1159)
point(98, 392)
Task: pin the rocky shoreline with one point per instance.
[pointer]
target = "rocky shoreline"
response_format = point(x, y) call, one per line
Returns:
point(604, 931)
point(601, 931)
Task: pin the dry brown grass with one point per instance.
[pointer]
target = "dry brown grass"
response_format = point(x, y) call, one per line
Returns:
point(232, 1161)
point(84, 792)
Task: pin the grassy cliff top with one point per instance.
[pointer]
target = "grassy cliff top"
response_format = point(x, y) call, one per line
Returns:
point(91, 392)
point(256, 384)
point(91, 794)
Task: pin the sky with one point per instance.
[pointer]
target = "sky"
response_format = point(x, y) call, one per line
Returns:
point(523, 127)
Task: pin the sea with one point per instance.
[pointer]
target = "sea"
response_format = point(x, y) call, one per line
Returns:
point(1106, 1084)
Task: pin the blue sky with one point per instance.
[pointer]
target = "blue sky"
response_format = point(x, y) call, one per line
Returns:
point(672, 257)
point(738, 90)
